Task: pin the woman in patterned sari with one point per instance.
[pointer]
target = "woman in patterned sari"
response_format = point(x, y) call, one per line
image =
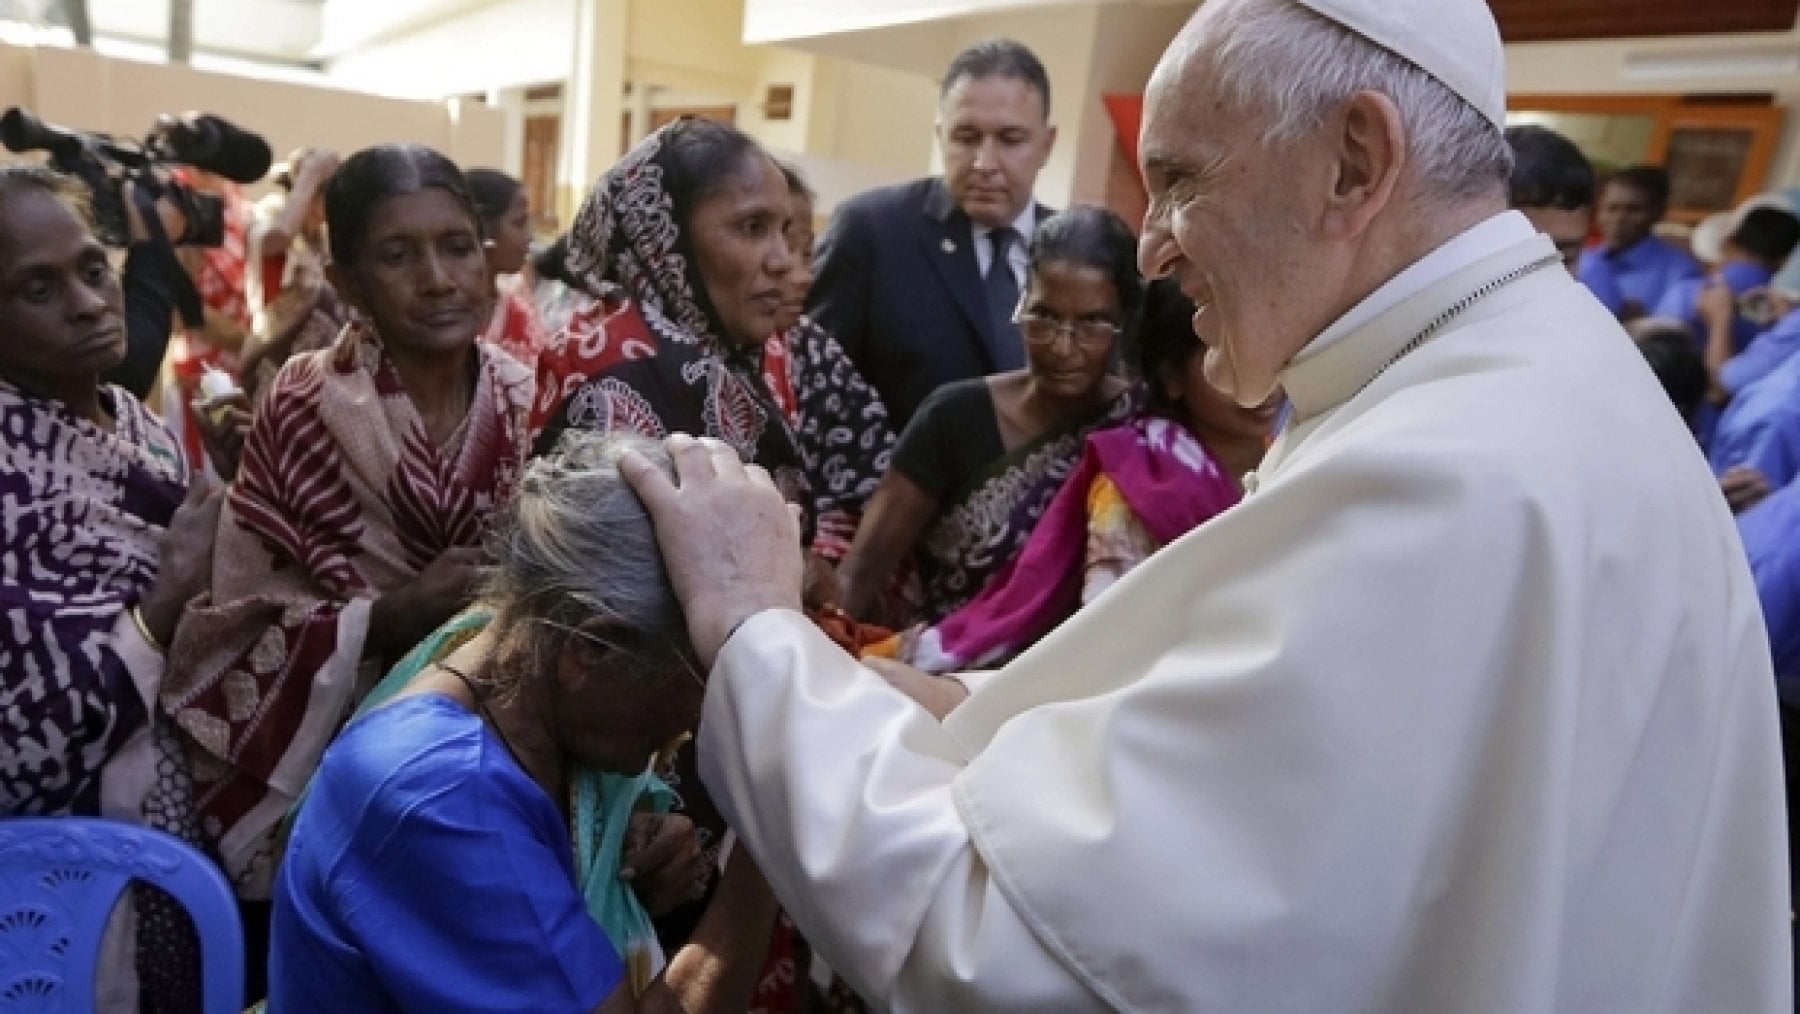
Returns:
point(804, 357)
point(99, 549)
point(353, 527)
point(1138, 486)
point(684, 247)
point(981, 459)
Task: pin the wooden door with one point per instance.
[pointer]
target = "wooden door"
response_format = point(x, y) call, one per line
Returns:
point(543, 147)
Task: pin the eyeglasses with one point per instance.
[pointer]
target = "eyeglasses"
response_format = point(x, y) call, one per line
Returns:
point(686, 663)
point(1089, 335)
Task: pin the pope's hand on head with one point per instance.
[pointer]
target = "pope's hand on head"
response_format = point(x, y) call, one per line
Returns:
point(727, 537)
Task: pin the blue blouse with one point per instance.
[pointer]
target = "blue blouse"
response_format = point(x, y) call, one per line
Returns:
point(1643, 272)
point(1682, 302)
point(426, 871)
point(1760, 428)
point(1764, 353)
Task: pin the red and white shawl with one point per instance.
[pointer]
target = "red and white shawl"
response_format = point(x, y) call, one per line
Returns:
point(341, 496)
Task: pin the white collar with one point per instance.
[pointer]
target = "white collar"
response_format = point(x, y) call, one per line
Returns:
point(1022, 225)
point(1470, 245)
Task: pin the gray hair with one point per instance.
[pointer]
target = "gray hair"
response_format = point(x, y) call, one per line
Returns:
point(576, 542)
point(1279, 58)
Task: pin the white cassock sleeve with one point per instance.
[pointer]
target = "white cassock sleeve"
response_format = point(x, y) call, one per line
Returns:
point(840, 786)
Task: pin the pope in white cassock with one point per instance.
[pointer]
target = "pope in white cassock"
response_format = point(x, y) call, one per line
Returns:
point(1467, 706)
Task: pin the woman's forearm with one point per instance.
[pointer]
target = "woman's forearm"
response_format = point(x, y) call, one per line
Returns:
point(716, 970)
point(896, 516)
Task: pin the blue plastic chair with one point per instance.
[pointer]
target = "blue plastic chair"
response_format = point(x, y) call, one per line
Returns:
point(59, 880)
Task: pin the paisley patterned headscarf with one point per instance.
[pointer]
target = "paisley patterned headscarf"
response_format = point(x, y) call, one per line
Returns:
point(650, 356)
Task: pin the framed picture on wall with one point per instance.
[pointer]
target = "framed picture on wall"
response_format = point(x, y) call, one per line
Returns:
point(1718, 156)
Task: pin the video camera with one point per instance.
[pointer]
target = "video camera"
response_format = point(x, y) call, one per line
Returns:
point(104, 163)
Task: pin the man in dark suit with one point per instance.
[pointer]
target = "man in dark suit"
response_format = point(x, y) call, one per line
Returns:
point(908, 280)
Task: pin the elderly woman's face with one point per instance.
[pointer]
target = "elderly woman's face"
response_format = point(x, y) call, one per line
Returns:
point(61, 306)
point(420, 273)
point(620, 705)
point(1068, 305)
point(738, 237)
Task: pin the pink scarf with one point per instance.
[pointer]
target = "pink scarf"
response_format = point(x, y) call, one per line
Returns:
point(1167, 478)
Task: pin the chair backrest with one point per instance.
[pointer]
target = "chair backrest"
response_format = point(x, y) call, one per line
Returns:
point(59, 880)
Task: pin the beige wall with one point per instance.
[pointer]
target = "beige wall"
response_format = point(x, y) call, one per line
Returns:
point(79, 88)
point(1125, 50)
point(703, 36)
point(876, 117)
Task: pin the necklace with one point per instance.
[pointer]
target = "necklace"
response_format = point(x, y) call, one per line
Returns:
point(1252, 481)
point(481, 706)
point(1457, 309)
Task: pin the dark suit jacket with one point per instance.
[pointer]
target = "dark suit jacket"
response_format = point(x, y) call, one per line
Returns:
point(899, 287)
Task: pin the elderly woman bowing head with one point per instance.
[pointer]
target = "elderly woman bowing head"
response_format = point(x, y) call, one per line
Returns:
point(453, 798)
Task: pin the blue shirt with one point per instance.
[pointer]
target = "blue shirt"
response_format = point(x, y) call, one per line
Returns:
point(1764, 353)
point(1643, 272)
point(1771, 532)
point(426, 871)
point(1761, 427)
point(1682, 302)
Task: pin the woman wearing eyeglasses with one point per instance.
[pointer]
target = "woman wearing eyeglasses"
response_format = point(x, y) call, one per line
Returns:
point(1139, 486)
point(431, 865)
point(981, 458)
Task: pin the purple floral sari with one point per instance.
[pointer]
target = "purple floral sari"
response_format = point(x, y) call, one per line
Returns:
point(81, 510)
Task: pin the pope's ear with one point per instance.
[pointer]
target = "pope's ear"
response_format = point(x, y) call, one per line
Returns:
point(1368, 147)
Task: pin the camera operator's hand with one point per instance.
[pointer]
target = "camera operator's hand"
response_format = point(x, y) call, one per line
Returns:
point(315, 168)
point(224, 423)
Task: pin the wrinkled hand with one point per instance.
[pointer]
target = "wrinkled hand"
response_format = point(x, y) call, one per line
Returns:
point(937, 694)
point(402, 617)
point(1744, 488)
point(224, 435)
point(728, 539)
point(1717, 305)
point(447, 584)
point(663, 862)
point(319, 163)
point(184, 561)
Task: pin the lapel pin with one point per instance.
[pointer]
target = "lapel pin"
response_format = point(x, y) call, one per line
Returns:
point(949, 246)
